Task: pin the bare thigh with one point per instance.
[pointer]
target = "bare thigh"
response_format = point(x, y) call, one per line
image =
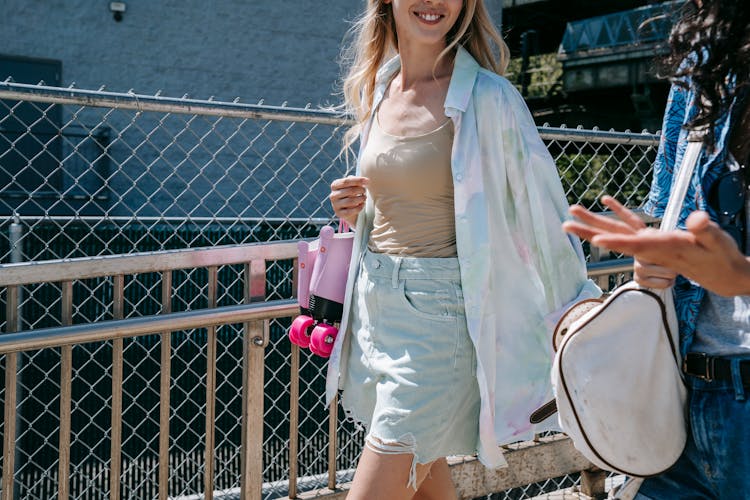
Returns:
point(386, 477)
point(438, 484)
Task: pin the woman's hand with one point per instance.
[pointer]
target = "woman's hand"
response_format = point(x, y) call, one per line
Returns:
point(590, 226)
point(703, 253)
point(348, 196)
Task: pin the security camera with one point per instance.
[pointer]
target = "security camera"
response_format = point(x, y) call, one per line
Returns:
point(117, 9)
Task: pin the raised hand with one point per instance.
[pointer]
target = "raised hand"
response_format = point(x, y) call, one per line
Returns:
point(703, 253)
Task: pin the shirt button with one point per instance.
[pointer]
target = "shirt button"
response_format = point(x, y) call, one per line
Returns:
point(377, 264)
point(459, 177)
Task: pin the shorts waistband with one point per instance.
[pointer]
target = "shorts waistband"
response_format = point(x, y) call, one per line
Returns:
point(428, 268)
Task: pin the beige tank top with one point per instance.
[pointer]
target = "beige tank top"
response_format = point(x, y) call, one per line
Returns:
point(411, 186)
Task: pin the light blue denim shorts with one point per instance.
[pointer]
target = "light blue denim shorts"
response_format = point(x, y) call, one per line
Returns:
point(411, 370)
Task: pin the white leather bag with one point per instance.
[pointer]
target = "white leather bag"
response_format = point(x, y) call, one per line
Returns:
point(618, 386)
point(617, 373)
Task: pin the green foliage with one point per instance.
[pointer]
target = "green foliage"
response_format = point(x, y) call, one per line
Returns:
point(545, 71)
point(588, 176)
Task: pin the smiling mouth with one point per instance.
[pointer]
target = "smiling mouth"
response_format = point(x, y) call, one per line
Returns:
point(429, 17)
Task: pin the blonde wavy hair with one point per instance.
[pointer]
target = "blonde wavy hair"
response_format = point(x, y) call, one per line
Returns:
point(374, 40)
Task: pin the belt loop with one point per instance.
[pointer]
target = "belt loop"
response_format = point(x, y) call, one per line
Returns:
point(396, 268)
point(739, 387)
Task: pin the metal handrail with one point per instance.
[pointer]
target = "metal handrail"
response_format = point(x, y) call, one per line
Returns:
point(183, 105)
point(45, 338)
point(26, 273)
point(607, 267)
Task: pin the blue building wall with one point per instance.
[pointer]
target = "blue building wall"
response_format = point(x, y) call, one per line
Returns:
point(253, 49)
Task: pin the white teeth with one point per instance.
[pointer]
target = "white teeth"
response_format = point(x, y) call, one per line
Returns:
point(429, 17)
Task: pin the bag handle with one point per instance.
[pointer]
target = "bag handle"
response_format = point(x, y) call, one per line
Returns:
point(684, 175)
point(343, 226)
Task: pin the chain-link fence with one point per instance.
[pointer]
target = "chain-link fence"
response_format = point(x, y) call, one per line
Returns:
point(91, 173)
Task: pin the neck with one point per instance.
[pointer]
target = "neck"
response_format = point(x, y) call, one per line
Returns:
point(418, 64)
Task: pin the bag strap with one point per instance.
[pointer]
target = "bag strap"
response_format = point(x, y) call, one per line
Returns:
point(628, 490)
point(684, 175)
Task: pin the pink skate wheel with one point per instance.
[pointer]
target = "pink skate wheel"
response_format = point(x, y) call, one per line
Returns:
point(298, 332)
point(322, 338)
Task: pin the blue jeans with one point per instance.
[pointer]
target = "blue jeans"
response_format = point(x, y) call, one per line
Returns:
point(716, 460)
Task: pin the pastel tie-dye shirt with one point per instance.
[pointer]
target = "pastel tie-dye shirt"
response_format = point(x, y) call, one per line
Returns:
point(519, 270)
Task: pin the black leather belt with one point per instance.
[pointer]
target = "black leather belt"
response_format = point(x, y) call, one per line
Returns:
point(708, 368)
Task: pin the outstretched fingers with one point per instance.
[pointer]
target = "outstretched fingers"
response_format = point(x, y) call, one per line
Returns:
point(583, 231)
point(588, 224)
point(606, 231)
point(650, 245)
point(645, 241)
point(625, 214)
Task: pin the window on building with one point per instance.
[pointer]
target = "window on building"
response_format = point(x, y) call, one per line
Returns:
point(30, 143)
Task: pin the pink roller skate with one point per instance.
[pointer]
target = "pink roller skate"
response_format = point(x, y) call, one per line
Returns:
point(299, 332)
point(322, 338)
point(323, 269)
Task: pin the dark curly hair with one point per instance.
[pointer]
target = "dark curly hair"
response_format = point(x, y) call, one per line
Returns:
point(707, 44)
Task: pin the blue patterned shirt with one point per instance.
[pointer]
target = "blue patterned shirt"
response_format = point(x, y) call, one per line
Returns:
point(679, 111)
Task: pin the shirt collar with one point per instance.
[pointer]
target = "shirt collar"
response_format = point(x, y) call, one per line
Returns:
point(465, 69)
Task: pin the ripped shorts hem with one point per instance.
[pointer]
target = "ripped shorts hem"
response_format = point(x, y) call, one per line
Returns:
point(406, 444)
point(360, 424)
point(377, 447)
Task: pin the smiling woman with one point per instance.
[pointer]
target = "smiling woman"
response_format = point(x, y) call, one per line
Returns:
point(417, 23)
point(443, 345)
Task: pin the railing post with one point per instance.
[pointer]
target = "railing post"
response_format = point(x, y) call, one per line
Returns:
point(10, 461)
point(332, 425)
point(294, 366)
point(208, 476)
point(115, 465)
point(9, 440)
point(66, 375)
point(592, 483)
point(293, 420)
point(164, 382)
point(253, 361)
point(15, 324)
point(598, 255)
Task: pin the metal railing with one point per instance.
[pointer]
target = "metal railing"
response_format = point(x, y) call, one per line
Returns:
point(254, 314)
point(184, 173)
